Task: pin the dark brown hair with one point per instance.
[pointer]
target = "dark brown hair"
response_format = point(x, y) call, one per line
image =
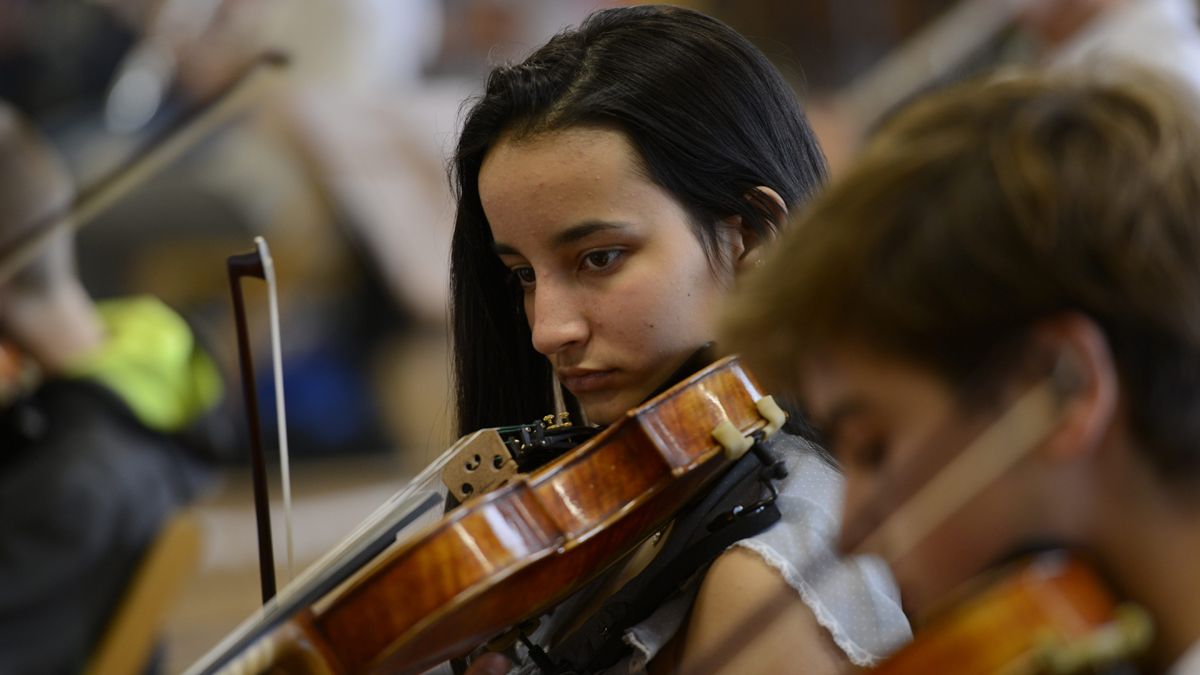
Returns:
point(711, 119)
point(985, 208)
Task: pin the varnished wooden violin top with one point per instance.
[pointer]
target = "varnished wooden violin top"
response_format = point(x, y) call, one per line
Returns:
point(515, 552)
point(1049, 613)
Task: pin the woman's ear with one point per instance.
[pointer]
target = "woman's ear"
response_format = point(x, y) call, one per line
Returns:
point(750, 253)
point(1086, 379)
point(771, 203)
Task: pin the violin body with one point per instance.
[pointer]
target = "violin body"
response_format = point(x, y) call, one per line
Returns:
point(513, 553)
point(1046, 614)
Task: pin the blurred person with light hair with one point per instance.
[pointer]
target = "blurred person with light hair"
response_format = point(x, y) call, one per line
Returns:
point(1031, 233)
point(102, 425)
point(974, 37)
point(1158, 35)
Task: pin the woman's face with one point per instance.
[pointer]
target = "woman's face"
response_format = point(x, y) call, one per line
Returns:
point(617, 288)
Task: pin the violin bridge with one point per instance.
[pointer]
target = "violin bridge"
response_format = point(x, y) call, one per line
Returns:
point(481, 464)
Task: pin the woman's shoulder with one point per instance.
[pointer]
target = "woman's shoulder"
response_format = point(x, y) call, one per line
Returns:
point(747, 619)
point(812, 474)
point(855, 599)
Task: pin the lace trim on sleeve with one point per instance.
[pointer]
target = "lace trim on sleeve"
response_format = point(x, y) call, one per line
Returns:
point(857, 655)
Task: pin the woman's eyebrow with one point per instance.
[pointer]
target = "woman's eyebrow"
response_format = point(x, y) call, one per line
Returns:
point(571, 235)
point(504, 249)
point(584, 230)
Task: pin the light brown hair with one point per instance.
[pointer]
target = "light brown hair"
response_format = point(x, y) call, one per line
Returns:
point(982, 209)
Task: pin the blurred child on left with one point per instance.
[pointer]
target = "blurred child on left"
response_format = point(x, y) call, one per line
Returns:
point(103, 412)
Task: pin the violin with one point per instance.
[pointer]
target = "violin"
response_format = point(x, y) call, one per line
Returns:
point(1046, 613)
point(512, 553)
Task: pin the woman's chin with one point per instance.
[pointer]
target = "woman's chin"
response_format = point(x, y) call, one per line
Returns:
point(604, 409)
point(601, 415)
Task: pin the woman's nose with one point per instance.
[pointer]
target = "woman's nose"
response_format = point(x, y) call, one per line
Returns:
point(556, 317)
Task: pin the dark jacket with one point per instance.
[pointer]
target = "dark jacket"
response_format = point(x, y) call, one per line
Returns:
point(85, 486)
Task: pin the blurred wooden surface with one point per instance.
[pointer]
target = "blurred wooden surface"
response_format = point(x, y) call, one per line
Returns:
point(330, 498)
point(128, 642)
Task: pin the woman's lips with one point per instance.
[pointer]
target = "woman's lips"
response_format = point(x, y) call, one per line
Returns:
point(582, 380)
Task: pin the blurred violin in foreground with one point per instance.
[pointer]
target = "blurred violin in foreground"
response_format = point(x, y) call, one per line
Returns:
point(1043, 613)
point(1046, 614)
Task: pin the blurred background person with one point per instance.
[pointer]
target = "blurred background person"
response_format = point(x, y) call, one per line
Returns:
point(973, 37)
point(1158, 35)
point(102, 427)
point(1023, 259)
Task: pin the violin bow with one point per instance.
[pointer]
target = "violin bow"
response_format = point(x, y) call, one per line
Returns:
point(231, 102)
point(259, 264)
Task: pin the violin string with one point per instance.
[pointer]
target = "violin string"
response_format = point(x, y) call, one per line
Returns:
point(397, 506)
point(371, 523)
point(389, 507)
point(268, 263)
point(560, 405)
point(316, 573)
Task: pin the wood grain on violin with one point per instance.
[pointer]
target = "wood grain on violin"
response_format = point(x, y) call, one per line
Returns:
point(1049, 613)
point(515, 552)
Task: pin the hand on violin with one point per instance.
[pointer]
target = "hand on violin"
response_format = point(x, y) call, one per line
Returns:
point(491, 663)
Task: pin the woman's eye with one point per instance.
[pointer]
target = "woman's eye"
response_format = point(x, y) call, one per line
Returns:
point(524, 276)
point(601, 260)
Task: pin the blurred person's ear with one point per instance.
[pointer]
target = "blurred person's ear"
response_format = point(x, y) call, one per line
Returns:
point(1085, 378)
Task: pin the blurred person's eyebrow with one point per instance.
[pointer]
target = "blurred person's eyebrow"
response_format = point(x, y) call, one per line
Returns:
point(830, 424)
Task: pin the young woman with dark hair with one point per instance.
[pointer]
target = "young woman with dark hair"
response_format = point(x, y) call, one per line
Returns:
point(611, 187)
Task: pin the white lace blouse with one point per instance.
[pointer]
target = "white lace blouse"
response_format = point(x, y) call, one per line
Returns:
point(855, 600)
